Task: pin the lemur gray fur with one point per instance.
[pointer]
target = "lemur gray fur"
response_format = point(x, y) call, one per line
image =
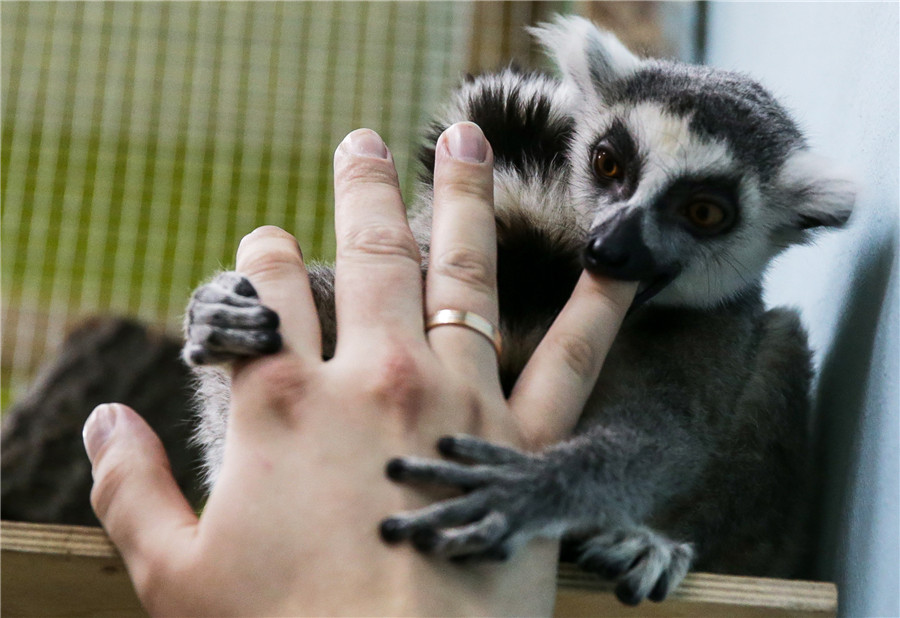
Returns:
point(693, 447)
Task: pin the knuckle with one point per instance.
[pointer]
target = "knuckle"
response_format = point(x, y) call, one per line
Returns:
point(578, 354)
point(268, 262)
point(533, 440)
point(365, 172)
point(472, 405)
point(281, 380)
point(398, 382)
point(114, 467)
point(386, 240)
point(464, 183)
point(467, 265)
point(110, 475)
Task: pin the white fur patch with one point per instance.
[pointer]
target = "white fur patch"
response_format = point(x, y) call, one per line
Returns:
point(545, 204)
point(824, 193)
point(668, 146)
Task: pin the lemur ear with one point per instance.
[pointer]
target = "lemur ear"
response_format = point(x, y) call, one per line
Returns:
point(590, 58)
point(818, 194)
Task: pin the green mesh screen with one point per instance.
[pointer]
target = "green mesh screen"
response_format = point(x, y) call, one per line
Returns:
point(141, 140)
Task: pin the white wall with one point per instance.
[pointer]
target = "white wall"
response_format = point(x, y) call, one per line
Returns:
point(836, 67)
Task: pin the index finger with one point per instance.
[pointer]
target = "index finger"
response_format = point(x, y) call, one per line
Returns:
point(550, 394)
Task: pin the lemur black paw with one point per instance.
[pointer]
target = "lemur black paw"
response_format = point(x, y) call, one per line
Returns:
point(227, 322)
point(508, 500)
point(645, 564)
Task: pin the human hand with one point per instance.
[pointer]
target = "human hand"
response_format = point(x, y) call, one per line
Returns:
point(291, 525)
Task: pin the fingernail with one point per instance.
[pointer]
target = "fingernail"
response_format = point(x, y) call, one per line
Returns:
point(466, 142)
point(366, 143)
point(98, 427)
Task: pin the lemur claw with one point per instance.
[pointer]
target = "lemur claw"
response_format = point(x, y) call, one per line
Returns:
point(645, 564)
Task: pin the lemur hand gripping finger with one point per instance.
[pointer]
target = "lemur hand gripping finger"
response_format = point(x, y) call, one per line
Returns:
point(226, 322)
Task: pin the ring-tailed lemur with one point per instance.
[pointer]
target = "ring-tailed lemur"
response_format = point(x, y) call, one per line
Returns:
point(693, 446)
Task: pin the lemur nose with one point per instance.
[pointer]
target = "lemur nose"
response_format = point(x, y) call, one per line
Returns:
point(617, 249)
point(606, 254)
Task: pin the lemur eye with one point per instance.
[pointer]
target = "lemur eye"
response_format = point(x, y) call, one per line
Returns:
point(705, 215)
point(606, 165)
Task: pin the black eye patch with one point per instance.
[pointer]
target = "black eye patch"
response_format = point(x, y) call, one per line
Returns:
point(679, 201)
point(618, 143)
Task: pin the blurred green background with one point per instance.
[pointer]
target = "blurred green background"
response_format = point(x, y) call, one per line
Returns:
point(141, 140)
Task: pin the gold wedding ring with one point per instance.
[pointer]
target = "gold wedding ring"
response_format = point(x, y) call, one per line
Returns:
point(472, 321)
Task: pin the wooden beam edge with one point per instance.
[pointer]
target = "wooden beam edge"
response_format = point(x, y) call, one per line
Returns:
point(85, 541)
point(708, 588)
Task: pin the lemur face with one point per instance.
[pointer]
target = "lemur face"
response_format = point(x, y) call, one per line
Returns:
point(686, 178)
point(672, 203)
point(667, 206)
point(689, 179)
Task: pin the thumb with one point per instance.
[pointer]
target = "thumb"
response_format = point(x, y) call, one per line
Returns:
point(134, 495)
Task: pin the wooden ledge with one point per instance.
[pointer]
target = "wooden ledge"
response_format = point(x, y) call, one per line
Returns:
point(700, 594)
point(51, 570)
point(63, 571)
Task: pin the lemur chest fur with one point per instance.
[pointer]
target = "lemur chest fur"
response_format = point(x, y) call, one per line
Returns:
point(697, 362)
